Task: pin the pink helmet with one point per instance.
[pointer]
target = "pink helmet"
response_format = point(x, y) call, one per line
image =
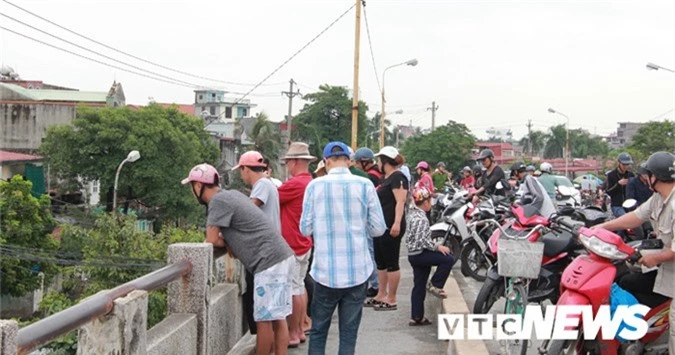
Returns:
point(422, 165)
point(204, 173)
point(251, 158)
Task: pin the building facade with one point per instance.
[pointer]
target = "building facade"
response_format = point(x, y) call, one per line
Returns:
point(213, 105)
point(624, 134)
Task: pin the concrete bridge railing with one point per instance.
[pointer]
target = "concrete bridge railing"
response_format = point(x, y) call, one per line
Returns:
point(205, 313)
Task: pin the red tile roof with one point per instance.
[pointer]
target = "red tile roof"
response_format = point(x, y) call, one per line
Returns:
point(10, 156)
point(186, 109)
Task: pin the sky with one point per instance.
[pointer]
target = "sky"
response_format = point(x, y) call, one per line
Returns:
point(485, 63)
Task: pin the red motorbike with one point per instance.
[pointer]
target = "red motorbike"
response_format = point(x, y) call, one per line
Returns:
point(588, 281)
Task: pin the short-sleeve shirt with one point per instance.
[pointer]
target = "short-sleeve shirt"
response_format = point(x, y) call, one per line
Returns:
point(245, 228)
point(661, 213)
point(426, 182)
point(265, 191)
point(291, 195)
point(385, 192)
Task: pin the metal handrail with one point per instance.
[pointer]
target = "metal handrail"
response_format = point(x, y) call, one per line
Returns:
point(46, 330)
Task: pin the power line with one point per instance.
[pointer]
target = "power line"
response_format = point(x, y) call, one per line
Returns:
point(99, 54)
point(91, 59)
point(370, 44)
point(131, 55)
point(289, 59)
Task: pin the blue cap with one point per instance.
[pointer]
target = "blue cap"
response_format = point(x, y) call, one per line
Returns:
point(331, 150)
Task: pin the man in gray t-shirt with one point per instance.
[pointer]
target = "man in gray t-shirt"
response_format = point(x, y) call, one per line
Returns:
point(233, 222)
point(264, 193)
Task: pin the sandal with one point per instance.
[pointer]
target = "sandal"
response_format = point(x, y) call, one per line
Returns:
point(385, 307)
point(371, 302)
point(438, 292)
point(418, 322)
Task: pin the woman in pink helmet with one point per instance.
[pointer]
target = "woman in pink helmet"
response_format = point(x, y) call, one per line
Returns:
point(425, 180)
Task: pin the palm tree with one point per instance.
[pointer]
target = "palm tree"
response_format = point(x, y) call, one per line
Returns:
point(266, 138)
point(535, 142)
point(555, 143)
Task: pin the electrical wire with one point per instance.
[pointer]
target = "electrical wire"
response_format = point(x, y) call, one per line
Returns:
point(131, 55)
point(370, 44)
point(289, 59)
point(92, 59)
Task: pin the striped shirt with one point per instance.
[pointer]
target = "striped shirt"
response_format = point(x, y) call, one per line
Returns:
point(341, 211)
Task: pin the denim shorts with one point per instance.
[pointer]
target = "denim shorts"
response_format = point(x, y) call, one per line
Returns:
point(272, 292)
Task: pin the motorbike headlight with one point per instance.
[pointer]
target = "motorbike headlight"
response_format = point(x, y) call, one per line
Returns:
point(601, 248)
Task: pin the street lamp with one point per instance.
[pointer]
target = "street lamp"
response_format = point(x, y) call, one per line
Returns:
point(412, 63)
point(652, 66)
point(567, 139)
point(132, 157)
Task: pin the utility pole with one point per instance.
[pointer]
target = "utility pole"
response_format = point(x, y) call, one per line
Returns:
point(355, 102)
point(433, 109)
point(529, 138)
point(289, 119)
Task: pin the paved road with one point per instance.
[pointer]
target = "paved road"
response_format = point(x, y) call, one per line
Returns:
point(470, 289)
point(388, 332)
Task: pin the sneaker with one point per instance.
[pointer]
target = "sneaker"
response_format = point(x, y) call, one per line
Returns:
point(372, 292)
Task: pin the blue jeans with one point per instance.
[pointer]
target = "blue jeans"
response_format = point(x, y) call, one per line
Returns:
point(372, 280)
point(618, 211)
point(349, 302)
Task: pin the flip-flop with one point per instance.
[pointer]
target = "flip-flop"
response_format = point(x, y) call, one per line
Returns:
point(419, 322)
point(385, 307)
point(438, 292)
point(371, 302)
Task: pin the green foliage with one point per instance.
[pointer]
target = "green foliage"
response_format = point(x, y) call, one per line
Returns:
point(582, 143)
point(25, 221)
point(451, 143)
point(535, 143)
point(328, 117)
point(653, 137)
point(170, 143)
point(54, 302)
point(266, 138)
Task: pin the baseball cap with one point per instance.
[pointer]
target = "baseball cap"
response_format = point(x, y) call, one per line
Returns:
point(388, 151)
point(336, 149)
point(251, 158)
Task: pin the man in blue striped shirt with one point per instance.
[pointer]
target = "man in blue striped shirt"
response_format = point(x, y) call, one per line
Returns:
point(341, 211)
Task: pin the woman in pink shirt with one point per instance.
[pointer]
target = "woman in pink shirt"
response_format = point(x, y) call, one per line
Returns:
point(425, 180)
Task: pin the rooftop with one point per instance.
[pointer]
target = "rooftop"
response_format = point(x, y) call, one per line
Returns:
point(57, 95)
point(6, 156)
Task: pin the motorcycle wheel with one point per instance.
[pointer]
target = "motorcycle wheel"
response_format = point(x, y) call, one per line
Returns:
point(452, 241)
point(489, 293)
point(474, 263)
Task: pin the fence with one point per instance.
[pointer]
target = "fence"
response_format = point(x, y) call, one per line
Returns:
point(204, 311)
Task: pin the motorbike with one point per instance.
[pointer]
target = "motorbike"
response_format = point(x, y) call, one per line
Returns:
point(641, 232)
point(474, 261)
point(588, 281)
point(452, 227)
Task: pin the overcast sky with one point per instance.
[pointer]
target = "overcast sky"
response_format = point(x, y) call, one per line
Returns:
point(485, 63)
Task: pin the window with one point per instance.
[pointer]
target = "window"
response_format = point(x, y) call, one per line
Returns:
point(228, 112)
point(201, 97)
point(94, 187)
point(242, 112)
point(212, 110)
point(622, 125)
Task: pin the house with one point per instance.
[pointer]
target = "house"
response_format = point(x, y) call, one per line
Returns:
point(212, 105)
point(25, 114)
point(504, 152)
point(29, 166)
point(624, 134)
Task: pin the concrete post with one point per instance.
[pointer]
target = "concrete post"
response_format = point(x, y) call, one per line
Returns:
point(192, 294)
point(8, 332)
point(121, 332)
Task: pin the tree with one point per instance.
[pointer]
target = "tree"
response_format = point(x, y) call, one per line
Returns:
point(535, 143)
point(265, 137)
point(654, 136)
point(581, 143)
point(451, 143)
point(555, 142)
point(25, 224)
point(373, 139)
point(170, 143)
point(328, 117)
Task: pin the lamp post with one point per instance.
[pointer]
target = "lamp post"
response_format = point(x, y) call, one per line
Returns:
point(132, 157)
point(412, 63)
point(652, 66)
point(567, 139)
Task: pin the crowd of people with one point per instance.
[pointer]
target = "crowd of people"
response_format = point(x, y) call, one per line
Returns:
point(330, 240)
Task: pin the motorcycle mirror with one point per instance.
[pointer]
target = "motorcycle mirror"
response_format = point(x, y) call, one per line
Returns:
point(577, 186)
point(630, 203)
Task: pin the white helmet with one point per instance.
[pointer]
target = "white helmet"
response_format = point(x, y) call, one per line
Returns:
point(546, 168)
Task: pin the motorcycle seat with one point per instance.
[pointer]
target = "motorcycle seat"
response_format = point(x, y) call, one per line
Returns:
point(592, 216)
point(557, 243)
